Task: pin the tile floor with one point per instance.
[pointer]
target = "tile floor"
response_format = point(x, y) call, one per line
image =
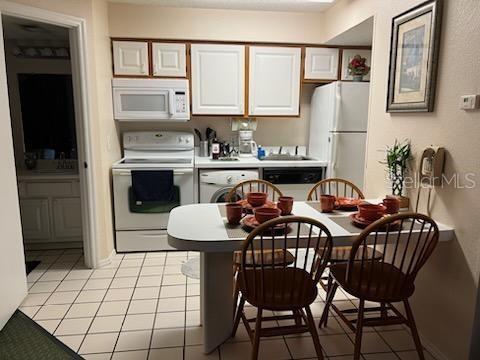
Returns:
point(141, 307)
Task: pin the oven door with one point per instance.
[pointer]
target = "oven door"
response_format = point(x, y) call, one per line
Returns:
point(125, 219)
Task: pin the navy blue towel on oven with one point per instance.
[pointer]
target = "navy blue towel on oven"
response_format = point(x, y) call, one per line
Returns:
point(153, 185)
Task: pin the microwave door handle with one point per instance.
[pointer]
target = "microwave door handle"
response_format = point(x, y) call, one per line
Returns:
point(171, 102)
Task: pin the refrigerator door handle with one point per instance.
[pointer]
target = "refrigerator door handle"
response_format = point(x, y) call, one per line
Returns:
point(338, 101)
point(334, 147)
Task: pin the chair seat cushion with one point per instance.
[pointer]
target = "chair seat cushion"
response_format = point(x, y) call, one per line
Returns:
point(342, 254)
point(277, 256)
point(379, 282)
point(278, 289)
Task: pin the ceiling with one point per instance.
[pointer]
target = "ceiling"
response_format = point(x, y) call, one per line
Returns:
point(265, 5)
point(360, 35)
point(23, 29)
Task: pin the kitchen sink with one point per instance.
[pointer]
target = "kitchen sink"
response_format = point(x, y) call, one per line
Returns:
point(286, 157)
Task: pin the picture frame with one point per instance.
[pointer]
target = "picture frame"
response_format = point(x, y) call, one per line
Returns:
point(414, 58)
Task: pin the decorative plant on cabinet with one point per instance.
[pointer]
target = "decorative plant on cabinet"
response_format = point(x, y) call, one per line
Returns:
point(358, 68)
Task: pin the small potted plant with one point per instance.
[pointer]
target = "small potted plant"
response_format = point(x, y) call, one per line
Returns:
point(397, 158)
point(358, 68)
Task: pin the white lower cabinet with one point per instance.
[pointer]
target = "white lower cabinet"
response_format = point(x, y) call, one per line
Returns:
point(51, 211)
point(35, 219)
point(67, 217)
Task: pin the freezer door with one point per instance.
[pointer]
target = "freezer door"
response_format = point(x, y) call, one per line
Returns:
point(348, 157)
point(351, 106)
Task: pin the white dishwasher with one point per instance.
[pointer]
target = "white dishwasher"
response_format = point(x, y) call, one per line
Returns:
point(294, 181)
point(215, 184)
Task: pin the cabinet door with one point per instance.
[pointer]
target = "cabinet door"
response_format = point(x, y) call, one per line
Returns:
point(274, 80)
point(348, 55)
point(321, 63)
point(218, 79)
point(169, 59)
point(35, 219)
point(67, 217)
point(130, 58)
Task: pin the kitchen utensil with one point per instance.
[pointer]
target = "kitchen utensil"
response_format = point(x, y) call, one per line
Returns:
point(392, 205)
point(247, 208)
point(285, 204)
point(204, 150)
point(234, 213)
point(199, 134)
point(327, 203)
point(257, 198)
point(264, 214)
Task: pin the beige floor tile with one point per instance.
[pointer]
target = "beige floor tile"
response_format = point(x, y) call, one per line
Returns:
point(157, 254)
point(301, 347)
point(35, 299)
point(372, 343)
point(171, 304)
point(78, 274)
point(142, 306)
point(336, 344)
point(413, 355)
point(127, 272)
point(166, 353)
point(98, 343)
point(113, 308)
point(119, 294)
point(177, 260)
point(151, 270)
point(44, 287)
point(172, 269)
point(53, 275)
point(194, 335)
point(269, 349)
point(193, 290)
point(90, 296)
point(170, 320)
point(134, 340)
point(49, 325)
point(30, 311)
point(131, 263)
point(172, 291)
point(380, 356)
point(97, 284)
point(399, 340)
point(193, 303)
point(71, 285)
point(178, 279)
point(168, 338)
point(130, 355)
point(134, 256)
point(51, 312)
point(64, 297)
point(123, 282)
point(146, 293)
point(158, 261)
point(138, 322)
point(103, 324)
point(149, 281)
point(103, 273)
point(196, 353)
point(72, 341)
point(73, 326)
point(193, 318)
point(82, 310)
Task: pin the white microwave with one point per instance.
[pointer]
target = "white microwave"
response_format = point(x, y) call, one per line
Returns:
point(151, 99)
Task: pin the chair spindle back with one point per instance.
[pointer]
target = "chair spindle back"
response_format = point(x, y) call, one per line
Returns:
point(240, 191)
point(334, 186)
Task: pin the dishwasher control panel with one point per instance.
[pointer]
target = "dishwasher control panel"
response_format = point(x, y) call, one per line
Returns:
point(309, 175)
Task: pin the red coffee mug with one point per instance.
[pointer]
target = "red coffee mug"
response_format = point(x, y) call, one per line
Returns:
point(327, 203)
point(371, 212)
point(285, 204)
point(264, 214)
point(392, 205)
point(234, 213)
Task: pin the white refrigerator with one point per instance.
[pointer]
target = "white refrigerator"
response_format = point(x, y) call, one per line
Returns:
point(338, 128)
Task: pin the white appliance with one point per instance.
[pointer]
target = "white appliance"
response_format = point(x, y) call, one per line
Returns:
point(338, 128)
point(163, 150)
point(215, 184)
point(246, 146)
point(151, 99)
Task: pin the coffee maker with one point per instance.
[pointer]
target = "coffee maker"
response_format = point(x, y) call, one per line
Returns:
point(247, 147)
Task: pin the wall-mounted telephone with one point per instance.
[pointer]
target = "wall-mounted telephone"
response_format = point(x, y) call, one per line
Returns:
point(431, 165)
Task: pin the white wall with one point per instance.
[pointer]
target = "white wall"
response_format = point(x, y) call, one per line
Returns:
point(444, 301)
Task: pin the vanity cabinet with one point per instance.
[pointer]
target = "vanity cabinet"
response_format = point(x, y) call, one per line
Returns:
point(130, 58)
point(169, 59)
point(321, 63)
point(274, 81)
point(50, 209)
point(218, 79)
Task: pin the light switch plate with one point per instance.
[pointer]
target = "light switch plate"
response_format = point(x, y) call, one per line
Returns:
point(469, 102)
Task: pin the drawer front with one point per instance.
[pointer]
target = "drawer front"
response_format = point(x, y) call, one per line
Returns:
point(58, 188)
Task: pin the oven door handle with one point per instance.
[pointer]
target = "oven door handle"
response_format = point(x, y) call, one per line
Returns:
point(175, 172)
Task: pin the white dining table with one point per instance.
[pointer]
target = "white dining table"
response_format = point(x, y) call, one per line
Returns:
point(201, 227)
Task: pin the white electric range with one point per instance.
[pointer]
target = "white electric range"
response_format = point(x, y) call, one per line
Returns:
point(161, 150)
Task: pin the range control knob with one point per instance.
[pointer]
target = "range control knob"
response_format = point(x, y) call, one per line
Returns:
point(229, 179)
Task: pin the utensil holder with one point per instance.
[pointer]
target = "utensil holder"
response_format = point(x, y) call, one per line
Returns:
point(204, 150)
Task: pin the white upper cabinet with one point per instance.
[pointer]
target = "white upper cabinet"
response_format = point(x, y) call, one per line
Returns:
point(348, 55)
point(169, 59)
point(130, 58)
point(274, 81)
point(218, 79)
point(321, 64)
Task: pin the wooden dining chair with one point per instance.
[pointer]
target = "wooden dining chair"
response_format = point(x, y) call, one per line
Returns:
point(339, 188)
point(406, 240)
point(240, 190)
point(278, 256)
point(283, 287)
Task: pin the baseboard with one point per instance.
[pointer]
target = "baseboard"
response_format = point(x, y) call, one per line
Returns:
point(53, 245)
point(432, 349)
point(107, 261)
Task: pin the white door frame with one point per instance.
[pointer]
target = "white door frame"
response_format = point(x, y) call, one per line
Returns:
point(79, 62)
